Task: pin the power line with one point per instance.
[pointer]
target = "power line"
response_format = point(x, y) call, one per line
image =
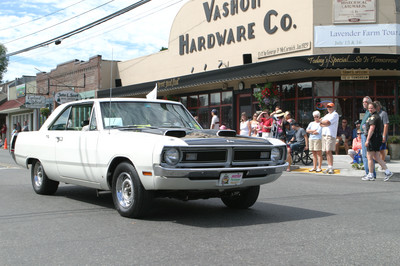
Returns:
point(30, 34)
point(110, 28)
point(58, 39)
point(39, 18)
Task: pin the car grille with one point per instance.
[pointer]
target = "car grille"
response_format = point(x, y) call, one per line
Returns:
point(212, 157)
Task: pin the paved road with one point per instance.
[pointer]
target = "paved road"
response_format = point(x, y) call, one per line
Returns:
point(298, 220)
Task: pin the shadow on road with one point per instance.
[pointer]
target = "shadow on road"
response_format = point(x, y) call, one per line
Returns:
point(201, 213)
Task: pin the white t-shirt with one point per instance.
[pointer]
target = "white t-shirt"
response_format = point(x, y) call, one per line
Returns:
point(214, 122)
point(244, 128)
point(331, 130)
point(315, 126)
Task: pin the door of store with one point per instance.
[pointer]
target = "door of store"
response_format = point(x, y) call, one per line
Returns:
point(243, 104)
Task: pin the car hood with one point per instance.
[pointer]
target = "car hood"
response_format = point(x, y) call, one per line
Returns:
point(208, 137)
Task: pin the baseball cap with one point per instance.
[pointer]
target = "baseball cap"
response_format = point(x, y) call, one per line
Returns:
point(331, 105)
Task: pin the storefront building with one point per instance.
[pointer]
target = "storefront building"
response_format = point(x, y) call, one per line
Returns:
point(303, 53)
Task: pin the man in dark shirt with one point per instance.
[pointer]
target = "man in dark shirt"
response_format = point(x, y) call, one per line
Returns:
point(343, 136)
point(300, 138)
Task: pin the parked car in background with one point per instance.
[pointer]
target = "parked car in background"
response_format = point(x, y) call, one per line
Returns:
point(141, 149)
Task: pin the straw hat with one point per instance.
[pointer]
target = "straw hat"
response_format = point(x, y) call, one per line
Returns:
point(279, 113)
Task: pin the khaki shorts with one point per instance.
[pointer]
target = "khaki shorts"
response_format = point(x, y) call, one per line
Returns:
point(328, 143)
point(315, 145)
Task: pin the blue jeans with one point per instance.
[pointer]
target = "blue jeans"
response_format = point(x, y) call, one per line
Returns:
point(364, 154)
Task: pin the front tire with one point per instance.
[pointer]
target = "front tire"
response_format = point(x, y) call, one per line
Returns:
point(242, 199)
point(130, 198)
point(40, 182)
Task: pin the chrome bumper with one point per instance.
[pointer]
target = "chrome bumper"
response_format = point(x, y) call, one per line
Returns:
point(249, 172)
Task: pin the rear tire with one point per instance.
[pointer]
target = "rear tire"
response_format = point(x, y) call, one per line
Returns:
point(40, 182)
point(130, 198)
point(242, 199)
point(307, 157)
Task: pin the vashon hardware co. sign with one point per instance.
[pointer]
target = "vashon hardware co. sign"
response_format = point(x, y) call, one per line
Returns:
point(273, 21)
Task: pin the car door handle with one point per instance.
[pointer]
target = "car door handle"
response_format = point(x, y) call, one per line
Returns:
point(59, 139)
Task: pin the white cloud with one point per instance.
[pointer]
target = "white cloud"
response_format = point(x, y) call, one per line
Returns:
point(133, 34)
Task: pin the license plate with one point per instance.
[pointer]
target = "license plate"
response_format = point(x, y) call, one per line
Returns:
point(230, 179)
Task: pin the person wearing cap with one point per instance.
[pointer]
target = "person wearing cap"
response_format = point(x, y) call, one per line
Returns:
point(329, 126)
point(214, 120)
point(356, 146)
point(357, 127)
point(366, 101)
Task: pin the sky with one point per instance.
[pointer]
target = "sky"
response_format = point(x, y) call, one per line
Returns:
point(25, 23)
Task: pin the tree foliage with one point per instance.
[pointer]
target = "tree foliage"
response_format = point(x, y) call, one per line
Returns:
point(3, 60)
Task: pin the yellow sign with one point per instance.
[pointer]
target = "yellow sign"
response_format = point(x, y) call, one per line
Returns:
point(354, 77)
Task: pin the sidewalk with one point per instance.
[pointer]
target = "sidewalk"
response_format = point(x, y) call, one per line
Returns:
point(342, 167)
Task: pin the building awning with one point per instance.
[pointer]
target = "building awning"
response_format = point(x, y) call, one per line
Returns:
point(12, 106)
point(263, 69)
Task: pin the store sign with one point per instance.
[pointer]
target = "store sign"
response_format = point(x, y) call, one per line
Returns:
point(354, 11)
point(354, 75)
point(66, 96)
point(355, 61)
point(274, 20)
point(20, 90)
point(35, 101)
point(357, 35)
point(285, 49)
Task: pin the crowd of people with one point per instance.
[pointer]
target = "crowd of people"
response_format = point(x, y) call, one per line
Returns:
point(328, 134)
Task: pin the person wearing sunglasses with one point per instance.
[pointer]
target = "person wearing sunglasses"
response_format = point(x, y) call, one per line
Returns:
point(356, 146)
point(329, 126)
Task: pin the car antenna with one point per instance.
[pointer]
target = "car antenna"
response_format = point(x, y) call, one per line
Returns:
point(111, 76)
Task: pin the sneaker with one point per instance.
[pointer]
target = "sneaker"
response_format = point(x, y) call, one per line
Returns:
point(318, 170)
point(311, 170)
point(330, 171)
point(388, 175)
point(369, 177)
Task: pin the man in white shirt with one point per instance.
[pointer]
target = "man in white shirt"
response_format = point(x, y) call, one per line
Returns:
point(329, 126)
point(214, 120)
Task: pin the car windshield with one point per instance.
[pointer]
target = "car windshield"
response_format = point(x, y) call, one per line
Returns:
point(146, 114)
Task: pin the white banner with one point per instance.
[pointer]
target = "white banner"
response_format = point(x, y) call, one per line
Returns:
point(357, 35)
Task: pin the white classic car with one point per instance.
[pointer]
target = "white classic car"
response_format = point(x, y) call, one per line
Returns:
point(141, 149)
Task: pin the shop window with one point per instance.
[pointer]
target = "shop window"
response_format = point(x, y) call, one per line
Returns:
point(344, 107)
point(184, 100)
point(204, 115)
point(385, 87)
point(226, 117)
point(323, 88)
point(203, 99)
point(344, 88)
point(215, 98)
point(192, 101)
point(387, 105)
point(305, 110)
point(363, 88)
point(304, 89)
point(227, 97)
point(288, 91)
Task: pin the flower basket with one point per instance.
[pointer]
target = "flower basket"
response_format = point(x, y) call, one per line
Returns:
point(267, 96)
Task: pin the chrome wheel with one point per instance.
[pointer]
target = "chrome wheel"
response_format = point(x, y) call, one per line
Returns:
point(38, 177)
point(125, 190)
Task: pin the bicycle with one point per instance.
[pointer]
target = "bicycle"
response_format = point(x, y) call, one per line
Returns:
point(305, 156)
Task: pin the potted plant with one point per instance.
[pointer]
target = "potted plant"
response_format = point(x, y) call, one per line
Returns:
point(394, 121)
point(394, 147)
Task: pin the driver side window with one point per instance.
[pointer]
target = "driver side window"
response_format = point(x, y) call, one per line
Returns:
point(61, 122)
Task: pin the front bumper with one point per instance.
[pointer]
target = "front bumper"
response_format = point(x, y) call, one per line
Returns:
point(207, 178)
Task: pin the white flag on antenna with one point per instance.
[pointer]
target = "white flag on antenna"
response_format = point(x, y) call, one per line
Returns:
point(153, 94)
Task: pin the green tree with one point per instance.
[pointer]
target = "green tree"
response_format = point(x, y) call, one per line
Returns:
point(3, 60)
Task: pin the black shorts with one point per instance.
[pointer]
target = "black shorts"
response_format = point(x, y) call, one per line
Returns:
point(374, 144)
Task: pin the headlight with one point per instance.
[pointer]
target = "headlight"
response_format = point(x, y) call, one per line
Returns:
point(172, 156)
point(275, 154)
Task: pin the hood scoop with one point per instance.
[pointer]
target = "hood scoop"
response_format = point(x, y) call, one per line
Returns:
point(175, 133)
point(226, 133)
